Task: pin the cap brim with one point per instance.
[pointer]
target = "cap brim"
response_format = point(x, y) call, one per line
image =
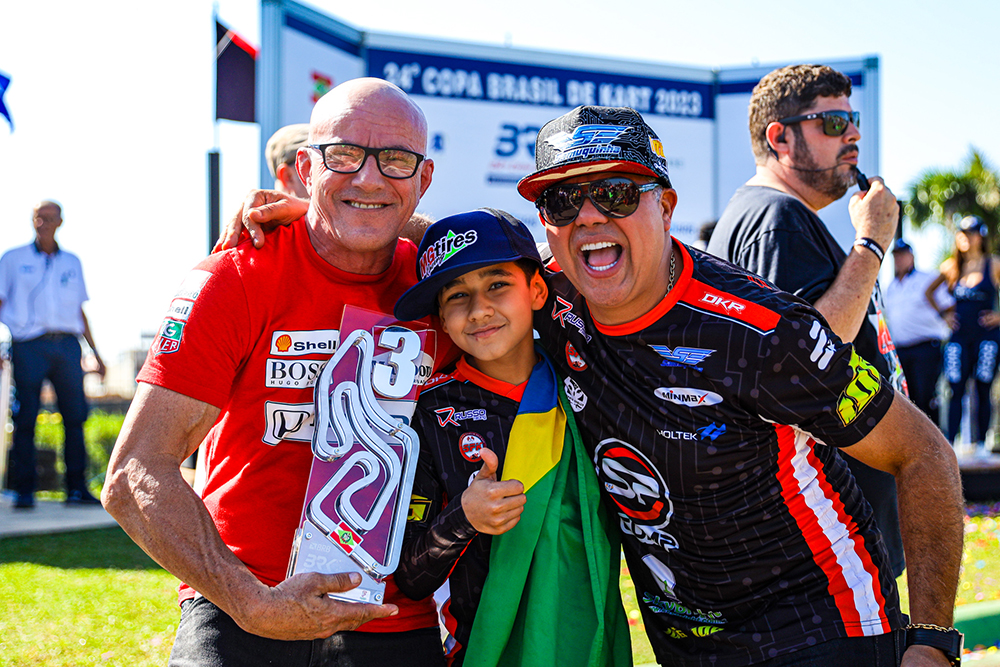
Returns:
point(420, 301)
point(531, 186)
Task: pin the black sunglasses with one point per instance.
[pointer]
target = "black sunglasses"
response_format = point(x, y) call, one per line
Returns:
point(349, 158)
point(614, 197)
point(835, 122)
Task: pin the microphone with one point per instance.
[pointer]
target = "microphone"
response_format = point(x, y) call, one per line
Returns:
point(862, 180)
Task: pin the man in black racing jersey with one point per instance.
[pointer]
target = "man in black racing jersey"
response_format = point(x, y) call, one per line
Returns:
point(714, 406)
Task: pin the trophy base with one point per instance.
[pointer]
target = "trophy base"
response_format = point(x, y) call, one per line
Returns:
point(312, 551)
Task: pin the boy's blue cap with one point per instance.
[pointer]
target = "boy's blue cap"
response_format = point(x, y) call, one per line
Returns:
point(460, 243)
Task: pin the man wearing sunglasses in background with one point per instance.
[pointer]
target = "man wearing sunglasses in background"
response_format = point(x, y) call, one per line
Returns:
point(222, 374)
point(712, 405)
point(804, 137)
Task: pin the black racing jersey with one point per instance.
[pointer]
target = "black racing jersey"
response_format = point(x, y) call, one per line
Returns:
point(459, 412)
point(713, 422)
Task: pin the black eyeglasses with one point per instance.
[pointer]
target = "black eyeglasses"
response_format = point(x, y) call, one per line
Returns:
point(835, 122)
point(349, 159)
point(614, 197)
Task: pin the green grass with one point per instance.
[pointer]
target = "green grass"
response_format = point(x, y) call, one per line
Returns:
point(94, 598)
point(84, 598)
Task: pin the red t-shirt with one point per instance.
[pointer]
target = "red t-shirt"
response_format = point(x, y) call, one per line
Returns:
point(247, 332)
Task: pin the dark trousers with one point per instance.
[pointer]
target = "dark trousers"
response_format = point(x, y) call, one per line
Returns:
point(922, 367)
point(206, 635)
point(57, 358)
point(965, 359)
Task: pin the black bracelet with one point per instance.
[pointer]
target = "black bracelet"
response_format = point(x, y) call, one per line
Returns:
point(872, 245)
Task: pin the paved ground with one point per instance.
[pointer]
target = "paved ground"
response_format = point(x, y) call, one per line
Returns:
point(50, 516)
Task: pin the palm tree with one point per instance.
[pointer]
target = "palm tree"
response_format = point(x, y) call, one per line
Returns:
point(944, 197)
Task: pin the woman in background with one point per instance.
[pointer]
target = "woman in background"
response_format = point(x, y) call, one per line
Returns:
point(973, 276)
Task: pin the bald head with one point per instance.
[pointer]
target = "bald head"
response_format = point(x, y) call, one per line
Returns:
point(367, 98)
point(355, 217)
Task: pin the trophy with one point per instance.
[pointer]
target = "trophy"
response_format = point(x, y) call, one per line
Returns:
point(365, 453)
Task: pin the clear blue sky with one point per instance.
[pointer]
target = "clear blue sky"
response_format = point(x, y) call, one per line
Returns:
point(112, 104)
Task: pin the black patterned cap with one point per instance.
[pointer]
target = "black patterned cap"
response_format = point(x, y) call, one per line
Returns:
point(594, 139)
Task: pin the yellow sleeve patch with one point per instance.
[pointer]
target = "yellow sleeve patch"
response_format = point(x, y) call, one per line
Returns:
point(861, 390)
point(418, 508)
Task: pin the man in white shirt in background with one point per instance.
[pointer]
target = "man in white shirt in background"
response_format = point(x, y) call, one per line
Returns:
point(41, 302)
point(916, 327)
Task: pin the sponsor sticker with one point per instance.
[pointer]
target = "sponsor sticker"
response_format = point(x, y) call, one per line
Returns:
point(682, 356)
point(168, 339)
point(688, 396)
point(444, 249)
point(730, 305)
point(861, 390)
point(180, 309)
point(297, 343)
point(418, 508)
point(448, 416)
point(292, 373)
point(345, 537)
point(471, 444)
point(288, 421)
point(636, 487)
point(191, 285)
point(577, 399)
point(712, 431)
point(587, 141)
point(573, 358)
point(562, 311)
point(823, 351)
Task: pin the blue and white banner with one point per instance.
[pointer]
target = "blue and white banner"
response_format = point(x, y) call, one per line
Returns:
point(515, 83)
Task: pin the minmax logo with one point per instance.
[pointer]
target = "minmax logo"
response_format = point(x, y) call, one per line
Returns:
point(687, 396)
point(731, 305)
point(682, 356)
point(563, 312)
point(586, 141)
point(294, 343)
point(444, 249)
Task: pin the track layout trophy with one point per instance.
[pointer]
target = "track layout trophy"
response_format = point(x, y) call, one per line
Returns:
point(364, 452)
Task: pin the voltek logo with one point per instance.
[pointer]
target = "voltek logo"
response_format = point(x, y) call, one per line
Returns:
point(444, 249)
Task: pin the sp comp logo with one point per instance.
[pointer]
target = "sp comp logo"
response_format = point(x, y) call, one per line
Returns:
point(682, 356)
point(637, 489)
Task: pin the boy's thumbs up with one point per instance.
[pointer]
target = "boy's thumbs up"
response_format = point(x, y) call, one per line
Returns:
point(490, 463)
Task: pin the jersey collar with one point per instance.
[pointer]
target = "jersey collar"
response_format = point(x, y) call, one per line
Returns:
point(512, 391)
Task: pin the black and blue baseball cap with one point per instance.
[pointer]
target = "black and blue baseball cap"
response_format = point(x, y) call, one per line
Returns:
point(592, 139)
point(975, 224)
point(460, 243)
point(899, 245)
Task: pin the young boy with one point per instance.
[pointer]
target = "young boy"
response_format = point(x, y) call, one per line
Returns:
point(505, 504)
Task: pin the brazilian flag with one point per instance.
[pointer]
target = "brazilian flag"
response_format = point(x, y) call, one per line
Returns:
point(551, 596)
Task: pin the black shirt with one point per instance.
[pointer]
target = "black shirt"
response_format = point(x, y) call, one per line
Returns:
point(776, 236)
point(714, 423)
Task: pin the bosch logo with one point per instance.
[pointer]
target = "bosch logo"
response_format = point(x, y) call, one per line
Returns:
point(730, 305)
point(470, 445)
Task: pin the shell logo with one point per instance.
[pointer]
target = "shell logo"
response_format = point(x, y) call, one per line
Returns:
point(283, 343)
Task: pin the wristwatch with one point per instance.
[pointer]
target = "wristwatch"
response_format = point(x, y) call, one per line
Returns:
point(946, 640)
